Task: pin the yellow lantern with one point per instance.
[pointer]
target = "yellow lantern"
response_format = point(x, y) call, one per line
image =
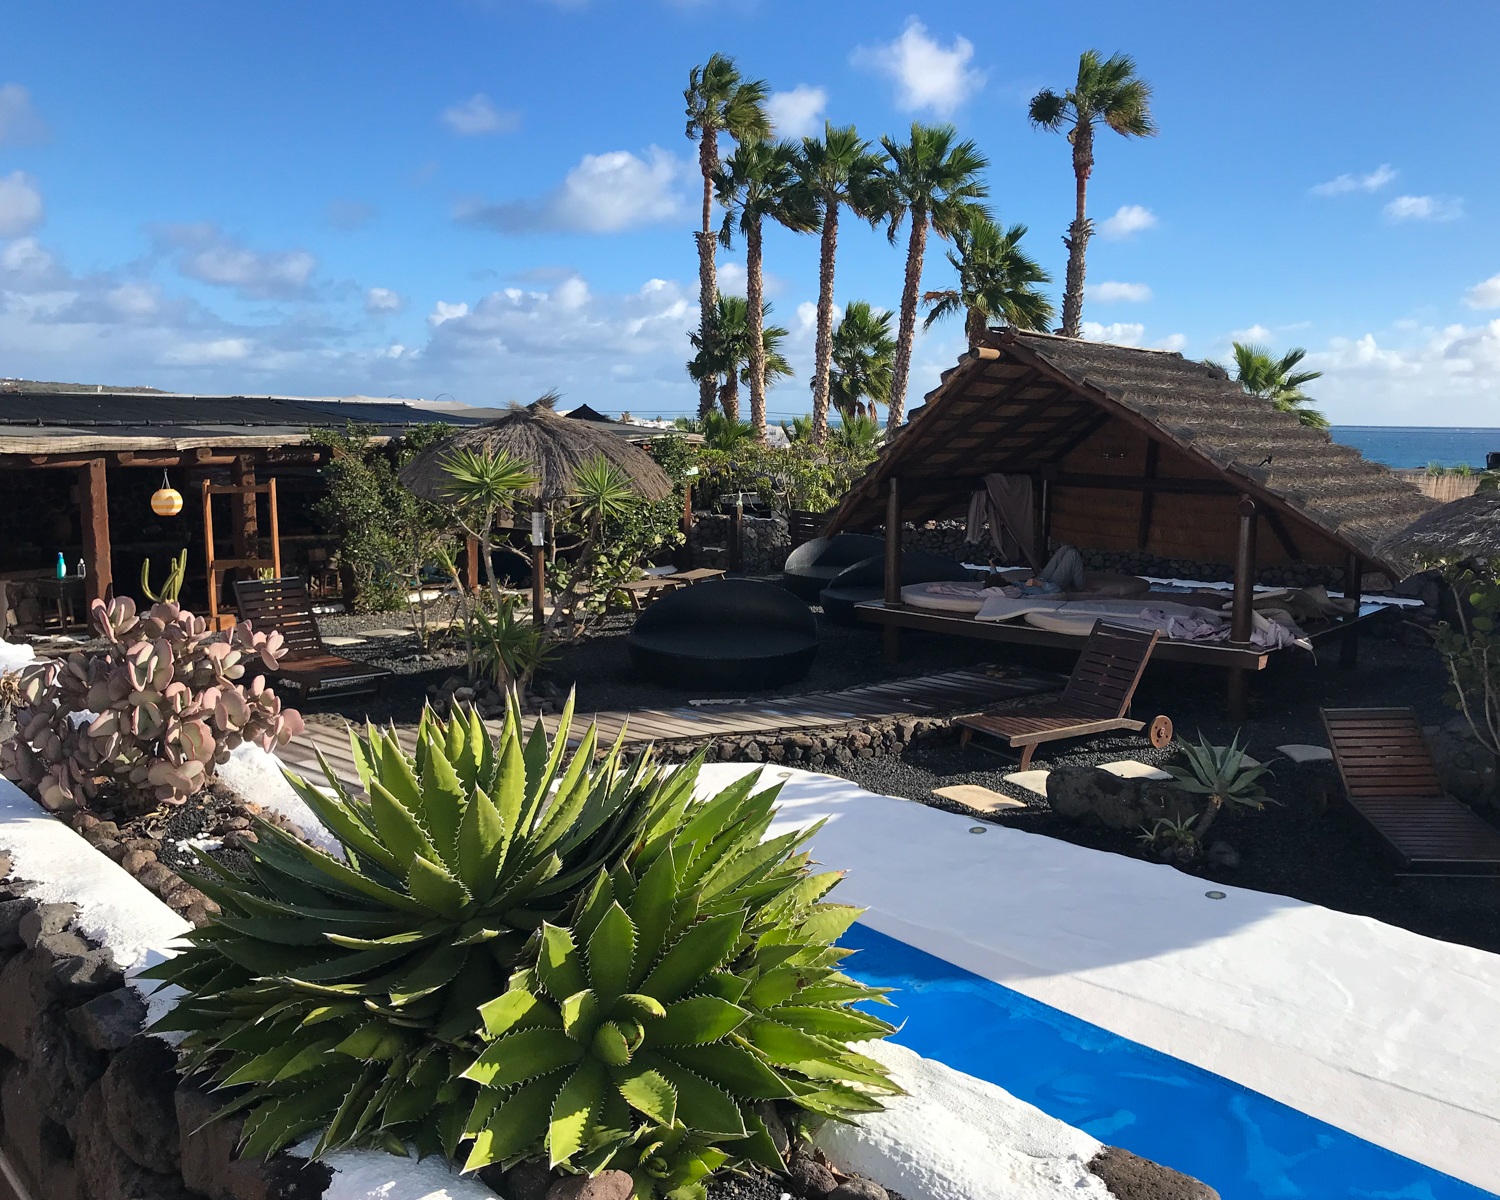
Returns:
point(166, 501)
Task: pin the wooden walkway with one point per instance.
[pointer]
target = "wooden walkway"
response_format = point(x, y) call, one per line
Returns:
point(951, 692)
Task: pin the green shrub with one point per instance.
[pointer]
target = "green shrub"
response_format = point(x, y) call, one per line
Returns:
point(493, 954)
point(1221, 775)
point(692, 984)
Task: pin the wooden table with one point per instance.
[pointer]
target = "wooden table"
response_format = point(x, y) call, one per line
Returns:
point(65, 592)
point(641, 592)
point(697, 575)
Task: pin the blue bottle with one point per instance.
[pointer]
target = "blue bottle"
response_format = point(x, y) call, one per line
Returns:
point(62, 566)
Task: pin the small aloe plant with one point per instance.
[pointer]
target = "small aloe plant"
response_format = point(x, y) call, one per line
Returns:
point(1222, 776)
point(693, 984)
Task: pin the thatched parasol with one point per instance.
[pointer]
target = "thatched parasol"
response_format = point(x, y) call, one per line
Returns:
point(1467, 528)
point(552, 446)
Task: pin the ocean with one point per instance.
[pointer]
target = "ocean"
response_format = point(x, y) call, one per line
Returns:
point(1419, 446)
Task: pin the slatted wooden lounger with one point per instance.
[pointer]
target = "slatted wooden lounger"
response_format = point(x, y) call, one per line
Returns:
point(1391, 782)
point(308, 666)
point(1096, 699)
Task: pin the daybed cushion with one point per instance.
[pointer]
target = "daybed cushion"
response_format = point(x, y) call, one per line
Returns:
point(953, 597)
point(1113, 583)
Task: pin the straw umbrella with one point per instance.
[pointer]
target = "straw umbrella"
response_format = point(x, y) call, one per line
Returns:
point(553, 448)
point(1460, 529)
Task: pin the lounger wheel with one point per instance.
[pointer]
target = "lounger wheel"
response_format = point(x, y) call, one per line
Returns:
point(1160, 731)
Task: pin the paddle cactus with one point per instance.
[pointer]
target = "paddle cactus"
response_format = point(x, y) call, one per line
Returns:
point(152, 714)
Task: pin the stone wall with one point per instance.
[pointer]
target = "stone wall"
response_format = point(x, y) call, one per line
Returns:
point(91, 1107)
point(815, 750)
point(765, 543)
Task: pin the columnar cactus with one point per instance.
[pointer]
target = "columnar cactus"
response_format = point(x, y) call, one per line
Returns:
point(152, 714)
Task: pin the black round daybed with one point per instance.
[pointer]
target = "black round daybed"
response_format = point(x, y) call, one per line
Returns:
point(865, 580)
point(727, 635)
point(811, 567)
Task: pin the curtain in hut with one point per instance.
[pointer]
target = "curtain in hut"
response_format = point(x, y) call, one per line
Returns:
point(1007, 504)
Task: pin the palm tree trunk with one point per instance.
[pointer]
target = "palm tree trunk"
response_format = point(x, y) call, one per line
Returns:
point(975, 327)
point(729, 395)
point(754, 290)
point(916, 249)
point(1077, 239)
point(823, 354)
point(708, 281)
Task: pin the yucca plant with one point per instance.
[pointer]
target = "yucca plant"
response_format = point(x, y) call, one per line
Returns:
point(342, 988)
point(1221, 774)
point(694, 983)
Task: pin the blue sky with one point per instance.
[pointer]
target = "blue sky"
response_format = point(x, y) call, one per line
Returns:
point(483, 199)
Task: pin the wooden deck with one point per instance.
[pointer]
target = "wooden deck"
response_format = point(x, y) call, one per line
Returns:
point(923, 696)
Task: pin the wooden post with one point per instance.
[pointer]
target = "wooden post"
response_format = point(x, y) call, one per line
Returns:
point(243, 508)
point(275, 526)
point(539, 586)
point(1241, 624)
point(893, 564)
point(1349, 642)
point(471, 564)
point(687, 509)
point(93, 495)
point(737, 535)
point(209, 556)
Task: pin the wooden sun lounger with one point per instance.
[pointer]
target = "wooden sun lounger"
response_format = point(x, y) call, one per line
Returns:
point(1391, 782)
point(309, 666)
point(1096, 700)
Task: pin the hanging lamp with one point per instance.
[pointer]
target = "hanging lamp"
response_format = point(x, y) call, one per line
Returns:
point(166, 501)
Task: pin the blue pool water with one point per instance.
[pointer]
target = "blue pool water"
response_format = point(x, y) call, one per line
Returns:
point(1413, 446)
point(1246, 1145)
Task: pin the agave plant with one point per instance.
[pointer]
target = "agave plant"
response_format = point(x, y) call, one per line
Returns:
point(343, 987)
point(694, 983)
point(1221, 774)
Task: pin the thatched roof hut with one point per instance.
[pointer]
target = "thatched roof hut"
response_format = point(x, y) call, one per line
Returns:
point(1135, 450)
point(1466, 528)
point(551, 445)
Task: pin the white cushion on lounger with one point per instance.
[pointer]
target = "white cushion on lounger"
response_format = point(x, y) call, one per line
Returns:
point(945, 597)
point(998, 607)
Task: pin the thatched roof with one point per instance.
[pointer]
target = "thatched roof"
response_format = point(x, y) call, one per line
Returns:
point(1083, 414)
point(552, 446)
point(1466, 528)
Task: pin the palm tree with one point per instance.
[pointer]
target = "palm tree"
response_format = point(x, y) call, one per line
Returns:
point(838, 170)
point(864, 354)
point(1107, 91)
point(718, 101)
point(996, 280)
point(933, 180)
point(856, 434)
point(1278, 380)
point(723, 363)
point(755, 183)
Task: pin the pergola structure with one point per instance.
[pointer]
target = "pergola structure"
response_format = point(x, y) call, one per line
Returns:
point(96, 435)
point(1131, 450)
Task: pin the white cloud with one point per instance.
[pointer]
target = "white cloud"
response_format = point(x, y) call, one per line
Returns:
point(442, 312)
point(198, 354)
point(1121, 333)
point(19, 123)
point(20, 204)
point(1342, 184)
point(927, 76)
point(205, 253)
point(1425, 208)
point(380, 301)
point(1110, 292)
point(478, 115)
point(1431, 376)
point(1173, 341)
point(1255, 333)
point(797, 113)
point(1484, 295)
point(807, 317)
point(604, 193)
point(1128, 219)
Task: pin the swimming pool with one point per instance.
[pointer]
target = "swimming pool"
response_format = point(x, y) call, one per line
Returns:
point(1246, 1145)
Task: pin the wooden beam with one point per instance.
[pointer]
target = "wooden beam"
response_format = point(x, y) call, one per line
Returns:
point(245, 532)
point(1282, 534)
point(893, 563)
point(93, 496)
point(1148, 497)
point(1134, 483)
point(1240, 622)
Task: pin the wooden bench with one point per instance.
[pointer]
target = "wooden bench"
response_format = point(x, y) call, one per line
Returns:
point(1096, 700)
point(308, 665)
point(1391, 782)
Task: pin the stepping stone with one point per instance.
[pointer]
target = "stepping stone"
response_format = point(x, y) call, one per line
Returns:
point(1032, 781)
point(981, 799)
point(343, 641)
point(1299, 753)
point(385, 633)
point(1128, 768)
